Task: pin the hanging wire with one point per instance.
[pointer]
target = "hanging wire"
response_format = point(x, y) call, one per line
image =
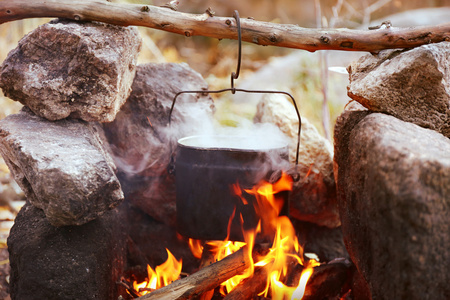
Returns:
point(233, 90)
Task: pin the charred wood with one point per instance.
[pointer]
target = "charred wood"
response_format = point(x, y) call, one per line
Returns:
point(329, 280)
point(205, 279)
point(250, 287)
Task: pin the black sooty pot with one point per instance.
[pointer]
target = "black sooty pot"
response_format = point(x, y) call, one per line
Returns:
point(206, 169)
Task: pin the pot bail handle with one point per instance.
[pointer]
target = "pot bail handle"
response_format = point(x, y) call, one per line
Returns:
point(233, 90)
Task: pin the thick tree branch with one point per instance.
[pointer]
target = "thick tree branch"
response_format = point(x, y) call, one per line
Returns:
point(261, 33)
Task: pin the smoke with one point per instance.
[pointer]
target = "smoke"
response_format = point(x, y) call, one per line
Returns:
point(141, 148)
point(144, 146)
point(265, 138)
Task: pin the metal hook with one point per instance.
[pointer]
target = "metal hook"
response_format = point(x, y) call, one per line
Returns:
point(238, 68)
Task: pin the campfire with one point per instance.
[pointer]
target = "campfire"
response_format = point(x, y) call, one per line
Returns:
point(110, 202)
point(270, 263)
point(255, 219)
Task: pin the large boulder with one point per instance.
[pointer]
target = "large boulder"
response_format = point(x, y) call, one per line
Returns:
point(412, 85)
point(70, 262)
point(141, 140)
point(69, 69)
point(393, 182)
point(62, 166)
point(313, 198)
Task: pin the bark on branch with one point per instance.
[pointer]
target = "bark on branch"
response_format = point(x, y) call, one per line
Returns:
point(260, 33)
point(205, 279)
point(209, 277)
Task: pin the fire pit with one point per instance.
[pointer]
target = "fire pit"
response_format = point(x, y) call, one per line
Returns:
point(232, 202)
point(274, 267)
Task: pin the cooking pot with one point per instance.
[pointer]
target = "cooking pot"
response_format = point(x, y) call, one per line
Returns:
point(206, 169)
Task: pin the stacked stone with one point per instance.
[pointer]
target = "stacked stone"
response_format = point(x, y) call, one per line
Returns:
point(313, 205)
point(75, 81)
point(392, 168)
point(69, 77)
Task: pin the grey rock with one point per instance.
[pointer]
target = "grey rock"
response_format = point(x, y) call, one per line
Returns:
point(141, 140)
point(326, 243)
point(61, 166)
point(68, 69)
point(393, 182)
point(314, 197)
point(412, 85)
point(70, 262)
point(148, 240)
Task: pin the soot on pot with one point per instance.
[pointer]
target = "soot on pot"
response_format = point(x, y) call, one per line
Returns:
point(207, 167)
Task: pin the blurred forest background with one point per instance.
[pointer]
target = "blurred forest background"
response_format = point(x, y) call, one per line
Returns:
point(309, 79)
point(317, 80)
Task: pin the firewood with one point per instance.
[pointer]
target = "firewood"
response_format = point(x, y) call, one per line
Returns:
point(250, 287)
point(329, 280)
point(205, 279)
point(206, 260)
point(206, 24)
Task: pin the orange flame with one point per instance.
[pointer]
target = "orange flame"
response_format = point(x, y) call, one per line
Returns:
point(222, 249)
point(267, 205)
point(196, 248)
point(285, 247)
point(306, 273)
point(163, 275)
point(149, 122)
point(285, 243)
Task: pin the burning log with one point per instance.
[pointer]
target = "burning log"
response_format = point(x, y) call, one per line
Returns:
point(327, 281)
point(250, 287)
point(206, 260)
point(205, 279)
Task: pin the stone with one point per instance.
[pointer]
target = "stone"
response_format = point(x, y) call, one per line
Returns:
point(68, 69)
point(61, 166)
point(412, 85)
point(326, 243)
point(148, 240)
point(313, 198)
point(143, 143)
point(70, 262)
point(393, 184)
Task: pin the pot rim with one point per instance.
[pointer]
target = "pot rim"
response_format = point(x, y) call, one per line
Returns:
point(263, 145)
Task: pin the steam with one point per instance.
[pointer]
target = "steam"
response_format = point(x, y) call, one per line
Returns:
point(208, 134)
point(144, 149)
point(149, 152)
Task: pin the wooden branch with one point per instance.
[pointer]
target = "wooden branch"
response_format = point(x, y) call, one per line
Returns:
point(260, 33)
point(328, 281)
point(250, 287)
point(205, 279)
